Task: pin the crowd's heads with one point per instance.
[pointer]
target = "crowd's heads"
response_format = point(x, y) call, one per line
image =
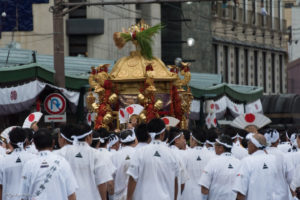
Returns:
point(198, 137)
point(176, 137)
point(156, 127)
point(127, 137)
point(65, 135)
point(43, 139)
point(256, 142)
point(17, 137)
point(96, 140)
point(223, 144)
point(141, 133)
point(114, 142)
point(104, 136)
point(211, 137)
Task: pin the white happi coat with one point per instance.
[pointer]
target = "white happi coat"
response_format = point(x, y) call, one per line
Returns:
point(285, 147)
point(284, 176)
point(238, 151)
point(47, 177)
point(218, 176)
point(296, 179)
point(121, 161)
point(256, 176)
point(11, 166)
point(154, 168)
point(89, 167)
point(197, 158)
point(110, 166)
point(32, 149)
point(141, 144)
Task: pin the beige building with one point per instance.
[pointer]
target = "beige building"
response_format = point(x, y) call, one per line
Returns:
point(249, 43)
point(85, 40)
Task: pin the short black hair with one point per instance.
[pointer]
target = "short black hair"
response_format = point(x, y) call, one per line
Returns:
point(156, 125)
point(141, 133)
point(103, 134)
point(124, 134)
point(68, 130)
point(186, 134)
point(43, 139)
point(95, 141)
point(17, 135)
point(211, 135)
point(227, 140)
point(173, 132)
point(29, 133)
point(199, 134)
point(80, 130)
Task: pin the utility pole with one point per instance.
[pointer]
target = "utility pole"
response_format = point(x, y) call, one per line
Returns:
point(62, 8)
point(58, 39)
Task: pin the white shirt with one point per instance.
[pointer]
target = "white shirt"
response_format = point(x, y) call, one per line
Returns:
point(284, 176)
point(238, 151)
point(256, 176)
point(32, 149)
point(296, 179)
point(121, 160)
point(110, 166)
point(47, 177)
point(285, 147)
point(89, 167)
point(197, 158)
point(218, 176)
point(11, 166)
point(154, 168)
point(141, 144)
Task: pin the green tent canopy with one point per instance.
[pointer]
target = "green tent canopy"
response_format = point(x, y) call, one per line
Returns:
point(210, 85)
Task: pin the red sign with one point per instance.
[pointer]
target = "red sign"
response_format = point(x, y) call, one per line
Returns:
point(55, 104)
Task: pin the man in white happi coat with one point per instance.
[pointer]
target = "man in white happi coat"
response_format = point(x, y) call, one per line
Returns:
point(142, 135)
point(88, 164)
point(153, 169)
point(219, 174)
point(285, 173)
point(177, 143)
point(211, 136)
point(30, 147)
point(49, 176)
point(256, 176)
point(197, 157)
point(11, 165)
point(121, 160)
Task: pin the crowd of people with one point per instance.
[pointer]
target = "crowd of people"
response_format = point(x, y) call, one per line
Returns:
point(149, 161)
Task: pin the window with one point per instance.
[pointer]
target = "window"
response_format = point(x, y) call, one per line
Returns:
point(273, 72)
point(246, 66)
point(237, 63)
point(264, 71)
point(280, 73)
point(255, 68)
point(216, 57)
point(226, 64)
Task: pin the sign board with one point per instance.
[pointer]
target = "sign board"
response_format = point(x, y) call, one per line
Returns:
point(55, 104)
point(55, 118)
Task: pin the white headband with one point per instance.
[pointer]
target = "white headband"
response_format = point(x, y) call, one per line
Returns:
point(224, 144)
point(272, 136)
point(62, 135)
point(112, 141)
point(129, 138)
point(209, 142)
point(181, 133)
point(19, 144)
point(237, 136)
point(196, 139)
point(153, 134)
point(76, 138)
point(254, 141)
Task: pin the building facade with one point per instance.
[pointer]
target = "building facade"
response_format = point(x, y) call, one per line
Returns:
point(249, 43)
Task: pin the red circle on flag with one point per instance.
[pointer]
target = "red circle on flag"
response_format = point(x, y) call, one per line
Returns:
point(122, 113)
point(129, 110)
point(212, 106)
point(249, 118)
point(215, 121)
point(31, 117)
point(89, 117)
point(166, 120)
